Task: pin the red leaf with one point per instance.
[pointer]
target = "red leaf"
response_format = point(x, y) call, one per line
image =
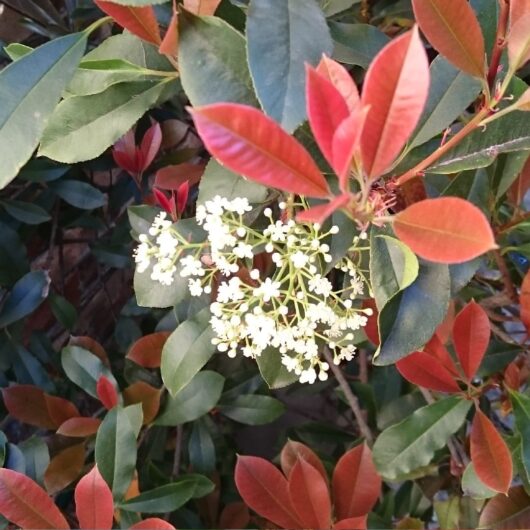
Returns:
point(519, 42)
point(341, 80)
point(147, 351)
point(490, 455)
point(326, 110)
point(234, 515)
point(125, 153)
point(79, 427)
point(249, 143)
point(265, 490)
point(395, 91)
point(471, 336)
point(453, 29)
point(346, 144)
point(26, 504)
point(141, 21)
point(150, 145)
point(27, 404)
point(170, 42)
point(172, 177)
point(358, 523)
point(427, 371)
point(521, 185)
point(436, 349)
point(64, 468)
point(293, 451)
point(152, 523)
point(163, 201)
point(507, 512)
point(201, 7)
point(182, 197)
point(107, 393)
point(356, 483)
point(433, 231)
point(512, 376)
point(309, 495)
point(524, 300)
point(319, 213)
point(60, 409)
point(518, 9)
point(371, 329)
point(94, 505)
point(147, 395)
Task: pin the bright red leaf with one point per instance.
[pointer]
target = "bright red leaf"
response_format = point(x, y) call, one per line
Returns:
point(147, 351)
point(150, 145)
point(141, 21)
point(319, 213)
point(359, 523)
point(152, 523)
point(293, 451)
point(524, 300)
point(170, 42)
point(512, 376)
point(490, 454)
point(202, 7)
point(471, 336)
point(356, 483)
point(341, 80)
point(453, 29)
point(79, 427)
point(371, 329)
point(26, 504)
point(249, 143)
point(107, 393)
point(427, 371)
point(94, 505)
point(309, 495)
point(27, 404)
point(264, 489)
point(395, 91)
point(433, 231)
point(172, 177)
point(436, 349)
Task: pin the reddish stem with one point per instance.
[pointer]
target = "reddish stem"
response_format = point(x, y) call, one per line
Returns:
point(500, 40)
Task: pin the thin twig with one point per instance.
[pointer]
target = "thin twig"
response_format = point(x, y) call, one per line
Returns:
point(178, 452)
point(350, 397)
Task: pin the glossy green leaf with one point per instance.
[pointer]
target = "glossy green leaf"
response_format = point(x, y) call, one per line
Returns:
point(79, 194)
point(27, 294)
point(473, 486)
point(84, 369)
point(413, 442)
point(201, 448)
point(115, 451)
point(252, 409)
point(293, 33)
point(198, 398)
point(448, 512)
point(357, 44)
point(508, 167)
point(393, 267)
point(25, 212)
point(217, 180)
point(409, 319)
point(36, 456)
point(186, 351)
point(210, 49)
point(13, 256)
point(169, 497)
point(63, 311)
point(451, 92)
point(273, 371)
point(521, 409)
point(82, 127)
point(333, 7)
point(16, 50)
point(30, 89)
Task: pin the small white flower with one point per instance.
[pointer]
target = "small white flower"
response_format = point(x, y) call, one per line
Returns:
point(268, 290)
point(195, 287)
point(299, 259)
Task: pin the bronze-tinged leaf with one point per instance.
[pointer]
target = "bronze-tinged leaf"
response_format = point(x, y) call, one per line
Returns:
point(64, 468)
point(148, 396)
point(234, 515)
point(27, 404)
point(524, 300)
point(292, 452)
point(519, 43)
point(60, 409)
point(507, 512)
point(451, 26)
point(147, 351)
point(79, 427)
point(518, 9)
point(202, 7)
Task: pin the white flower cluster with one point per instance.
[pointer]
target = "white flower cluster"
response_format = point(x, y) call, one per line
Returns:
point(294, 309)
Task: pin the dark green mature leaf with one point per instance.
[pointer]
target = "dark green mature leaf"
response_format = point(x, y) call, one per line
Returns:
point(27, 368)
point(293, 33)
point(141, 217)
point(357, 44)
point(79, 194)
point(451, 92)
point(116, 451)
point(462, 273)
point(413, 442)
point(521, 409)
point(25, 212)
point(409, 319)
point(488, 16)
point(212, 62)
point(82, 127)
point(30, 89)
point(27, 294)
point(273, 371)
point(63, 311)
point(37, 457)
point(198, 398)
point(3, 448)
point(252, 409)
point(186, 351)
point(217, 180)
point(393, 267)
point(332, 7)
point(201, 448)
point(13, 256)
point(508, 167)
point(84, 368)
point(169, 497)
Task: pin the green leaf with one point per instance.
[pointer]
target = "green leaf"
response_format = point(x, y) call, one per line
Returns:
point(3, 447)
point(186, 351)
point(521, 410)
point(507, 168)
point(252, 409)
point(198, 398)
point(84, 369)
point(413, 442)
point(461, 274)
point(42, 170)
point(13, 256)
point(393, 267)
point(409, 319)
point(37, 457)
point(169, 497)
point(115, 451)
point(212, 62)
point(16, 50)
point(201, 448)
point(333, 7)
point(357, 44)
point(25, 212)
point(79, 194)
point(30, 89)
point(473, 486)
point(273, 371)
point(217, 180)
point(141, 218)
point(63, 311)
point(398, 409)
point(82, 127)
point(293, 33)
point(451, 92)
point(118, 59)
point(27, 294)
point(448, 512)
